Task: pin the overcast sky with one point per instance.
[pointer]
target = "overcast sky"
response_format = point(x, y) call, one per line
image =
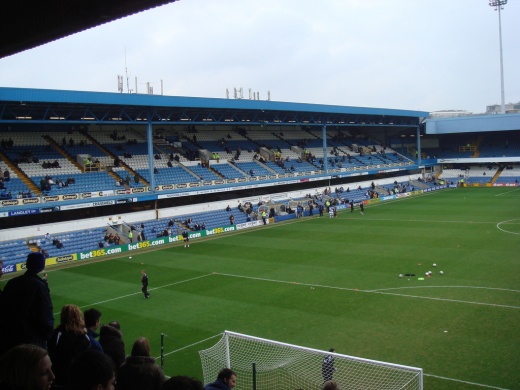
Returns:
point(408, 54)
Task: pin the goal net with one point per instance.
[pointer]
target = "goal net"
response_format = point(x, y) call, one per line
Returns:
point(265, 364)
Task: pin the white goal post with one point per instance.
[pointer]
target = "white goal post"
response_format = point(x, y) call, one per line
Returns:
point(263, 364)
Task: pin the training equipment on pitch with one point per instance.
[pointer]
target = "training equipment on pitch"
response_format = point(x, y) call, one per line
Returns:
point(400, 275)
point(441, 272)
point(267, 364)
point(435, 265)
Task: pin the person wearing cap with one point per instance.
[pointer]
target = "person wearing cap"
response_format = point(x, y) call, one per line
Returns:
point(26, 307)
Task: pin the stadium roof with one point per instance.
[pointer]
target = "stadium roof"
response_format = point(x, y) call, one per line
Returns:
point(25, 24)
point(473, 124)
point(19, 105)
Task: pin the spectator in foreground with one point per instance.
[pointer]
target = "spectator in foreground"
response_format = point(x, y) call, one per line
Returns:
point(92, 370)
point(111, 340)
point(26, 307)
point(330, 385)
point(139, 371)
point(26, 367)
point(182, 383)
point(226, 380)
point(68, 340)
point(92, 318)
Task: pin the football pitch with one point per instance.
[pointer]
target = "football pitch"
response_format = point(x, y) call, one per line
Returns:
point(322, 283)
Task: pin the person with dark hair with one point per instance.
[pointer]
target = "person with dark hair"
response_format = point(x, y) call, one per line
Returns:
point(139, 371)
point(92, 370)
point(68, 340)
point(182, 383)
point(26, 367)
point(92, 318)
point(327, 367)
point(330, 385)
point(144, 283)
point(111, 340)
point(226, 380)
point(26, 307)
point(186, 238)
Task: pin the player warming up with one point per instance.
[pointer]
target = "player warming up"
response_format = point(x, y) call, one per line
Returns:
point(186, 238)
point(144, 282)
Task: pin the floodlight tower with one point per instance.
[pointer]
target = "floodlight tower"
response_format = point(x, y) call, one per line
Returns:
point(499, 5)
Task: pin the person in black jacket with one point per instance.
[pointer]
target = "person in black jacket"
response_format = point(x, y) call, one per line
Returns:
point(26, 307)
point(68, 340)
point(226, 380)
point(140, 371)
point(327, 367)
point(144, 282)
point(111, 339)
point(91, 370)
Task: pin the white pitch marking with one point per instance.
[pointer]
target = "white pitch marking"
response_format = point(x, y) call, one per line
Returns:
point(136, 293)
point(461, 381)
point(504, 222)
point(369, 291)
point(475, 287)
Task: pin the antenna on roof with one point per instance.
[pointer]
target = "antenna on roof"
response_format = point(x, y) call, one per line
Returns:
point(127, 77)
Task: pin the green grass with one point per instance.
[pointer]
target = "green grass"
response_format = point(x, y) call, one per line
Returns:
point(259, 282)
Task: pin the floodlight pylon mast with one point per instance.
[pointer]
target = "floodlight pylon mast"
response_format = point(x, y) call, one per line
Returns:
point(499, 5)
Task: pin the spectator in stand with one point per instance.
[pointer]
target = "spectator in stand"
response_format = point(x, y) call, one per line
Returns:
point(26, 367)
point(26, 307)
point(182, 383)
point(68, 340)
point(92, 319)
point(111, 339)
point(92, 370)
point(139, 371)
point(226, 380)
point(7, 175)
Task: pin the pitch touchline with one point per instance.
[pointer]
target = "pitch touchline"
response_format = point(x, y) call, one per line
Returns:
point(367, 291)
